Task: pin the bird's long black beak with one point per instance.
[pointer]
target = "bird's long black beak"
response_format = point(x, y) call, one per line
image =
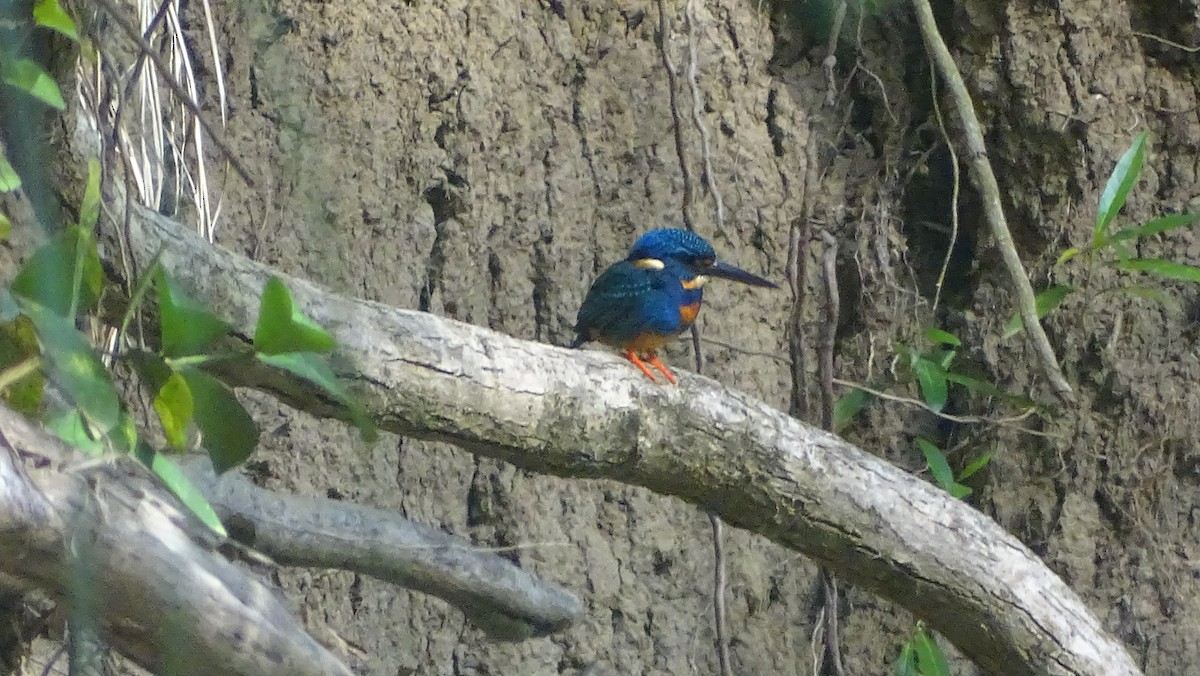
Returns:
point(726, 271)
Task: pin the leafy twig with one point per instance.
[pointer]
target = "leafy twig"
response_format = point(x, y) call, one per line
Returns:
point(985, 181)
point(962, 419)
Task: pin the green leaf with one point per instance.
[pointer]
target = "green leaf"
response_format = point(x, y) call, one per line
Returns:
point(906, 663)
point(1120, 182)
point(18, 345)
point(942, 337)
point(944, 359)
point(89, 211)
point(310, 367)
point(31, 79)
point(124, 437)
point(151, 368)
point(975, 465)
point(174, 406)
point(1067, 255)
point(940, 469)
point(848, 406)
point(1162, 268)
point(68, 425)
point(1123, 252)
point(5, 226)
point(186, 326)
point(181, 486)
point(929, 656)
point(910, 355)
point(75, 368)
point(1044, 303)
point(227, 431)
point(48, 277)
point(975, 384)
point(1154, 226)
point(1151, 294)
point(936, 460)
point(9, 179)
point(282, 328)
point(932, 379)
point(139, 293)
point(50, 14)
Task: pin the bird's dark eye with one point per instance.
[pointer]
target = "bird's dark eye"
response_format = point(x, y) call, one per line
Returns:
point(706, 262)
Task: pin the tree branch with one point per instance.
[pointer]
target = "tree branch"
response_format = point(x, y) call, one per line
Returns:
point(989, 191)
point(111, 522)
point(587, 415)
point(498, 597)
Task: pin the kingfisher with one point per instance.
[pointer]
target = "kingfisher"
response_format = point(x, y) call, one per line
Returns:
point(641, 303)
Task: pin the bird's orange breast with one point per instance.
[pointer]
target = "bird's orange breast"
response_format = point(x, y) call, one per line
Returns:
point(688, 313)
point(647, 342)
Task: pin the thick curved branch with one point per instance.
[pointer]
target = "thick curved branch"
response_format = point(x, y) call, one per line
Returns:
point(588, 415)
point(503, 600)
point(110, 522)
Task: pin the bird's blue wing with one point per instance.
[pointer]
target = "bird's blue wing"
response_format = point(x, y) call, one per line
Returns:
point(626, 301)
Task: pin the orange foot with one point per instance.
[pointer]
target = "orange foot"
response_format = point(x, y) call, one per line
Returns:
point(654, 361)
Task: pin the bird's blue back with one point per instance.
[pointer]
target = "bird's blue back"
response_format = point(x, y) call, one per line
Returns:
point(627, 301)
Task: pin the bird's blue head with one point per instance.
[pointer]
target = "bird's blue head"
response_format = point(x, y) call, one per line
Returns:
point(683, 247)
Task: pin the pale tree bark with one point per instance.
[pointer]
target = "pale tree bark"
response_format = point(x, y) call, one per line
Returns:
point(107, 531)
point(588, 415)
point(507, 603)
point(166, 597)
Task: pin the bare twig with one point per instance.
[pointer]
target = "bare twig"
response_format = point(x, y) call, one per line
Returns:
point(750, 353)
point(719, 611)
point(829, 584)
point(825, 365)
point(136, 73)
point(182, 96)
point(829, 329)
point(830, 61)
point(677, 125)
point(710, 178)
point(797, 272)
point(685, 206)
point(963, 419)
point(817, 636)
point(985, 181)
point(937, 112)
point(1162, 40)
point(719, 607)
point(16, 372)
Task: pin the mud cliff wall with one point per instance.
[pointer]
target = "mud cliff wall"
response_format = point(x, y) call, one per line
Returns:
point(486, 160)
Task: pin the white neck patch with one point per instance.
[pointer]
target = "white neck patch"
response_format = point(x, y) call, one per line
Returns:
point(649, 264)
